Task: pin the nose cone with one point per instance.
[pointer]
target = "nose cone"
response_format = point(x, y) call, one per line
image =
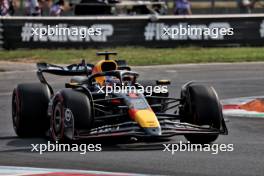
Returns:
point(148, 121)
point(153, 131)
point(146, 118)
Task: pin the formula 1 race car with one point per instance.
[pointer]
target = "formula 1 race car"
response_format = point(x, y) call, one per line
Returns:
point(86, 108)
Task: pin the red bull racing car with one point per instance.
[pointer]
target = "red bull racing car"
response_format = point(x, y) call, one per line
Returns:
point(86, 108)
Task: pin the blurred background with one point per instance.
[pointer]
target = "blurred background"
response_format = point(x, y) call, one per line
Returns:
point(132, 27)
point(128, 7)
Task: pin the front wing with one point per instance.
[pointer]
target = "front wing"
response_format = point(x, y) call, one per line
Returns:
point(169, 128)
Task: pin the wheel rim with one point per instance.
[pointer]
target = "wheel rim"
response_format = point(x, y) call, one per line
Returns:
point(57, 118)
point(57, 122)
point(15, 110)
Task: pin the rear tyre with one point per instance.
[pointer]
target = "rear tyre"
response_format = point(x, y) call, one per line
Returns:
point(29, 109)
point(77, 104)
point(201, 107)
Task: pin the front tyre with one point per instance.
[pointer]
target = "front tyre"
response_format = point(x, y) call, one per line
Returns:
point(201, 107)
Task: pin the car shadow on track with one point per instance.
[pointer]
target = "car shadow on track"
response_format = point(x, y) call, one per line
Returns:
point(15, 144)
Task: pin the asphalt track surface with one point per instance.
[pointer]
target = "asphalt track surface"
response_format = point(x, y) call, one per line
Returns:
point(229, 80)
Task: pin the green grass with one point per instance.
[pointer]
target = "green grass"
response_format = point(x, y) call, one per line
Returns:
point(139, 55)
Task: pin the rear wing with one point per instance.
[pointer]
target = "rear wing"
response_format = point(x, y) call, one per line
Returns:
point(75, 69)
point(70, 70)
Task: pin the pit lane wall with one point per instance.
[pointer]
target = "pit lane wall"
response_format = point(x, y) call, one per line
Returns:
point(16, 32)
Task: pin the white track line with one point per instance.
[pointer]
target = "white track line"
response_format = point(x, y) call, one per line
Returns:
point(20, 171)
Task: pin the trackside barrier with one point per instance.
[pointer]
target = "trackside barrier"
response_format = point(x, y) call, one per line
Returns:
point(16, 32)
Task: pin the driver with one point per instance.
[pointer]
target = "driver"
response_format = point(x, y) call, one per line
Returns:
point(111, 81)
point(128, 80)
